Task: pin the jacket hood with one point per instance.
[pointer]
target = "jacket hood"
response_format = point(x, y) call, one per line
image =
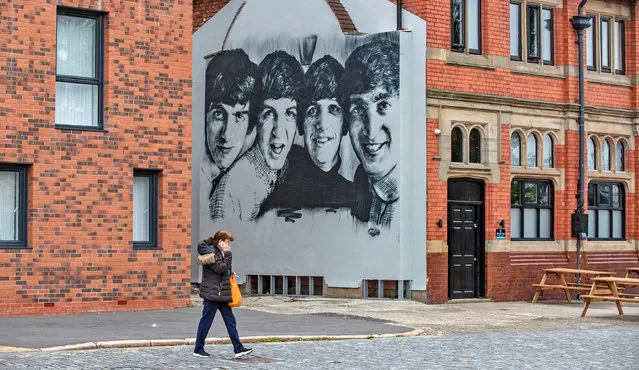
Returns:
point(204, 248)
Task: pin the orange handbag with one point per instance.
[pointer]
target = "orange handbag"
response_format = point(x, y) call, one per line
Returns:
point(235, 293)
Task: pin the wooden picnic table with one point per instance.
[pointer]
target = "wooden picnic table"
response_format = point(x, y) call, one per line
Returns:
point(631, 270)
point(560, 274)
point(613, 292)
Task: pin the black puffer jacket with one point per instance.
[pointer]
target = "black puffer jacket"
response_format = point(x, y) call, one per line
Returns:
point(215, 284)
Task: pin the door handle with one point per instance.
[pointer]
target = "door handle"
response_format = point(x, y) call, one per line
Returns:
point(475, 225)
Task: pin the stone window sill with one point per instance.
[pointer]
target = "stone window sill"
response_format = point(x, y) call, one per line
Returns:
point(535, 172)
point(608, 79)
point(478, 167)
point(468, 60)
point(609, 176)
point(539, 70)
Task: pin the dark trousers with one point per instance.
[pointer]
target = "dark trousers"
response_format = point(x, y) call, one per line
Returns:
point(208, 314)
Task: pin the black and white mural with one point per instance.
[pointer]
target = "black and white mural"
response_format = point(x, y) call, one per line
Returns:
point(254, 112)
point(297, 142)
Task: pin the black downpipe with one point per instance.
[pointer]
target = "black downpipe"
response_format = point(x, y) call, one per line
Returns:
point(580, 22)
point(399, 15)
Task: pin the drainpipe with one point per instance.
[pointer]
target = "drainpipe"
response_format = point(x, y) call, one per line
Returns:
point(399, 15)
point(579, 23)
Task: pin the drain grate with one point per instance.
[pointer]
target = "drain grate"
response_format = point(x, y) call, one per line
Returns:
point(284, 285)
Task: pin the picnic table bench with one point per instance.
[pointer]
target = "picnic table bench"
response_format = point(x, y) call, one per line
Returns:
point(560, 274)
point(613, 293)
point(631, 270)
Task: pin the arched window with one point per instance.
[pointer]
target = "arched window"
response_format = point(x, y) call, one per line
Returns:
point(531, 147)
point(474, 141)
point(605, 155)
point(515, 149)
point(456, 145)
point(620, 156)
point(592, 155)
point(549, 161)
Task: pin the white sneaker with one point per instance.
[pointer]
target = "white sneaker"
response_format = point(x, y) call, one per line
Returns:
point(244, 352)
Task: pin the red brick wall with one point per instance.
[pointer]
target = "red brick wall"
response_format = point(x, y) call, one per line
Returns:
point(437, 284)
point(495, 19)
point(508, 282)
point(203, 10)
point(80, 182)
point(503, 281)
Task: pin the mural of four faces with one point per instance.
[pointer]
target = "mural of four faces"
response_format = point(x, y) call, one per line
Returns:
point(254, 113)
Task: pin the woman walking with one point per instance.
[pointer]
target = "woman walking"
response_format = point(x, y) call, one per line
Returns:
point(216, 257)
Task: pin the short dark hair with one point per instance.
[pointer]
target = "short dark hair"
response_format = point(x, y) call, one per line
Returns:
point(281, 76)
point(231, 78)
point(374, 64)
point(321, 81)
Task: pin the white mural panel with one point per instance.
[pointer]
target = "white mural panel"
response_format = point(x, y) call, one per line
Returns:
point(297, 145)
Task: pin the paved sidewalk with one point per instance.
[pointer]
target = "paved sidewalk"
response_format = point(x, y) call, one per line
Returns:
point(277, 318)
point(174, 327)
point(460, 316)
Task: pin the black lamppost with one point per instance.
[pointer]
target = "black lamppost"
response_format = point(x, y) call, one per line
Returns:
point(579, 219)
point(399, 15)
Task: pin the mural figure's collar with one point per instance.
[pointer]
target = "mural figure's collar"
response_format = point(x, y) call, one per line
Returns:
point(262, 170)
point(387, 188)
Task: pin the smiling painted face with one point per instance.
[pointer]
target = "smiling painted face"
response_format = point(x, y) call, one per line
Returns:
point(323, 121)
point(226, 127)
point(276, 130)
point(374, 130)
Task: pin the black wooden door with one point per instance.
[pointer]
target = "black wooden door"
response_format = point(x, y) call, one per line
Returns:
point(464, 232)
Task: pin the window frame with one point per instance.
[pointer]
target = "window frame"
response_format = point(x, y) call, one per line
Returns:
point(536, 151)
point(519, 149)
point(529, 36)
point(525, 29)
point(596, 20)
point(152, 243)
point(594, 26)
point(453, 46)
point(461, 144)
point(471, 152)
point(550, 61)
point(552, 151)
point(523, 205)
point(464, 47)
point(622, 42)
point(622, 167)
point(595, 152)
point(98, 81)
point(609, 49)
point(606, 149)
point(517, 57)
point(611, 208)
point(23, 204)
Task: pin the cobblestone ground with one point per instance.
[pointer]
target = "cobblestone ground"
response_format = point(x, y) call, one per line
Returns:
point(613, 347)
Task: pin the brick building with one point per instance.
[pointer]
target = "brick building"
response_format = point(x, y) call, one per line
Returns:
point(504, 93)
point(95, 166)
point(95, 155)
point(503, 139)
